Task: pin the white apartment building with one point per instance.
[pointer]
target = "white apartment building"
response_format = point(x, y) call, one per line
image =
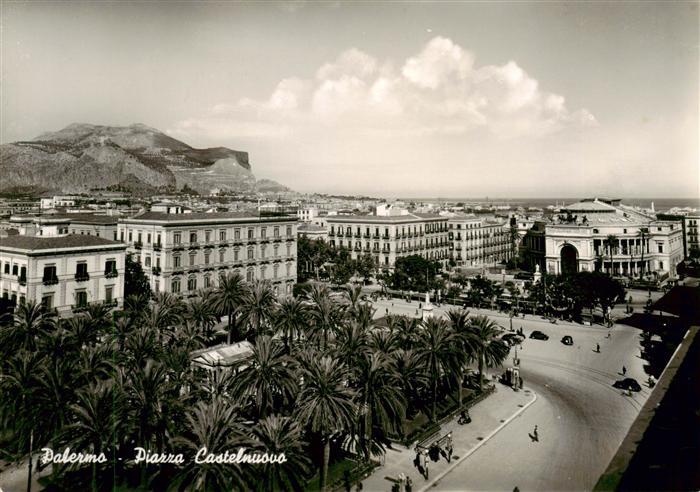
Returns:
point(66, 273)
point(184, 252)
point(479, 241)
point(692, 238)
point(577, 240)
point(390, 236)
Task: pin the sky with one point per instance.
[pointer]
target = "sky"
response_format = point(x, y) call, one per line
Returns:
point(411, 99)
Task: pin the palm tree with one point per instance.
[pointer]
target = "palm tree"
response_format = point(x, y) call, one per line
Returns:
point(406, 330)
point(135, 305)
point(80, 331)
point(29, 324)
point(643, 233)
point(324, 313)
point(267, 375)
point(351, 344)
point(96, 415)
point(290, 318)
point(353, 294)
point(326, 403)
point(412, 378)
point(379, 397)
point(439, 349)
point(258, 306)
point(215, 426)
point(281, 435)
point(490, 350)
point(461, 325)
point(227, 299)
point(199, 312)
point(611, 242)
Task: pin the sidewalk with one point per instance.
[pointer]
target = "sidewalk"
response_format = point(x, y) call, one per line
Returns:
point(488, 417)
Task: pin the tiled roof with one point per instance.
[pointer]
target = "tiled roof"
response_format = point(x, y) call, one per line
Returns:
point(34, 243)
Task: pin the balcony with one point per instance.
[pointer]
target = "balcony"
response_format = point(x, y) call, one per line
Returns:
point(79, 308)
point(193, 246)
point(155, 271)
point(178, 247)
point(50, 280)
point(82, 276)
point(111, 273)
point(157, 247)
point(138, 245)
point(23, 281)
point(110, 303)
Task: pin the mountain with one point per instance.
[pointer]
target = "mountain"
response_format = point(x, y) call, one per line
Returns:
point(133, 158)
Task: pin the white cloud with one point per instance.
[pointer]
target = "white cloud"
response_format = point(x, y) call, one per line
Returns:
point(440, 90)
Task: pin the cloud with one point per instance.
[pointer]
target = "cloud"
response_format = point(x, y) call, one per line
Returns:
point(439, 90)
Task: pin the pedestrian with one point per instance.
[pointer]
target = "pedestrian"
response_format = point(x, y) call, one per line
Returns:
point(387, 310)
point(597, 347)
point(624, 370)
point(409, 484)
point(521, 383)
point(402, 480)
point(537, 437)
point(426, 473)
point(420, 305)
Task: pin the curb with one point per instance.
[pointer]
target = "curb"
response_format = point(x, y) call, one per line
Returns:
point(481, 443)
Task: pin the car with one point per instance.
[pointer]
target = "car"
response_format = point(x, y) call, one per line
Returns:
point(513, 339)
point(524, 276)
point(538, 335)
point(567, 340)
point(627, 384)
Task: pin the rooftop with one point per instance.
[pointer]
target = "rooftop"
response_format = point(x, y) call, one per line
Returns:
point(35, 243)
point(412, 217)
point(201, 216)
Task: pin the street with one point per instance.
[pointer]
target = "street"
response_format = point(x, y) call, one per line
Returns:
point(581, 418)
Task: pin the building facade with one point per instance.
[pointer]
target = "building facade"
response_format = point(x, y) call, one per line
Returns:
point(600, 234)
point(66, 273)
point(479, 241)
point(182, 253)
point(389, 237)
point(692, 238)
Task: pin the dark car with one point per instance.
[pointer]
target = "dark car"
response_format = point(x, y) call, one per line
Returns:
point(538, 335)
point(524, 276)
point(567, 340)
point(627, 384)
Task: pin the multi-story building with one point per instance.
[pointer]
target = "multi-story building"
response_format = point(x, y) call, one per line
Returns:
point(65, 272)
point(692, 238)
point(391, 234)
point(312, 231)
point(578, 240)
point(184, 252)
point(479, 241)
point(99, 225)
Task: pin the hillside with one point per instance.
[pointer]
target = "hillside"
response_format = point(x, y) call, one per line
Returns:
point(82, 156)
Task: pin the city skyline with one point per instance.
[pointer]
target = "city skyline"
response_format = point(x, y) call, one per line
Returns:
point(454, 99)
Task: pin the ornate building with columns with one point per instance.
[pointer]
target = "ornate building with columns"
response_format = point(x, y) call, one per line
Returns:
point(605, 235)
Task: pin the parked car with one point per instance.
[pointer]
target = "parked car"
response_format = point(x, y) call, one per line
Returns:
point(538, 335)
point(524, 276)
point(627, 384)
point(567, 340)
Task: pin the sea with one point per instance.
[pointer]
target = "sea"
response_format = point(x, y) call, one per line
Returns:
point(660, 204)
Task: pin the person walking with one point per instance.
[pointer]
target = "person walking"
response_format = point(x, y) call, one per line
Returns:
point(624, 370)
point(409, 484)
point(537, 436)
point(426, 472)
point(597, 347)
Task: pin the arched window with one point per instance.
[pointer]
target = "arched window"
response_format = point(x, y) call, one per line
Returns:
point(175, 285)
point(192, 283)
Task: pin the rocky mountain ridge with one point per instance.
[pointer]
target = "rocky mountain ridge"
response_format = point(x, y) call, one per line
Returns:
point(135, 158)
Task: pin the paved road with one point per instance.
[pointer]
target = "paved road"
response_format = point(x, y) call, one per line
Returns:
point(581, 418)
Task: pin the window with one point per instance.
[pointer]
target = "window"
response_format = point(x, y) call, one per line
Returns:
point(46, 301)
point(235, 254)
point(276, 251)
point(148, 238)
point(251, 254)
point(236, 234)
point(289, 269)
point(158, 239)
point(81, 298)
point(275, 271)
point(263, 233)
point(81, 269)
point(109, 293)
point(276, 232)
point(192, 283)
point(115, 235)
point(157, 261)
point(207, 282)
point(175, 285)
point(661, 265)
point(130, 236)
point(262, 251)
point(661, 247)
point(177, 238)
point(262, 273)
point(250, 275)
point(192, 259)
point(139, 237)
point(289, 231)
point(15, 270)
point(206, 258)
point(222, 235)
point(147, 261)
point(251, 233)
point(50, 272)
point(221, 255)
point(193, 237)
point(176, 261)
point(121, 235)
point(289, 250)
point(7, 268)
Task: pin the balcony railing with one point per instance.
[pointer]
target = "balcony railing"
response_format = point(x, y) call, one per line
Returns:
point(138, 245)
point(79, 308)
point(111, 273)
point(110, 303)
point(50, 280)
point(23, 281)
point(155, 271)
point(82, 276)
point(157, 246)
